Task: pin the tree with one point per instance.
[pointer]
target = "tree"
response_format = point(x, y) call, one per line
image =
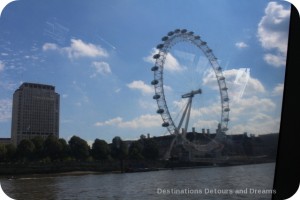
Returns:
point(142, 137)
point(38, 142)
point(100, 149)
point(79, 148)
point(52, 147)
point(25, 149)
point(150, 150)
point(65, 149)
point(119, 151)
point(118, 148)
point(135, 151)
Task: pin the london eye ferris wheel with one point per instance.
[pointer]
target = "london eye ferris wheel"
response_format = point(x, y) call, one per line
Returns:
point(190, 88)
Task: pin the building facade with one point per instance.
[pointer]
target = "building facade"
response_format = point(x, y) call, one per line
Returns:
point(35, 112)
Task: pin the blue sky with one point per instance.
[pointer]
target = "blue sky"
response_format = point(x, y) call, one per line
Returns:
point(98, 56)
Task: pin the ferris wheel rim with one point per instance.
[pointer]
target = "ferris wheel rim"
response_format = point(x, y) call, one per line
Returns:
point(183, 35)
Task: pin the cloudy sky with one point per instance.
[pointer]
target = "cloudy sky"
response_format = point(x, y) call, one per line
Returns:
point(98, 55)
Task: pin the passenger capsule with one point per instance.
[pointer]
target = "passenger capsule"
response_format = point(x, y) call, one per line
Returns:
point(197, 37)
point(219, 68)
point(160, 111)
point(226, 99)
point(160, 46)
point(154, 68)
point(209, 51)
point(157, 96)
point(177, 31)
point(191, 33)
point(156, 56)
point(154, 82)
point(222, 78)
point(165, 38)
point(224, 88)
point(203, 43)
point(170, 33)
point(183, 31)
point(226, 109)
point(165, 124)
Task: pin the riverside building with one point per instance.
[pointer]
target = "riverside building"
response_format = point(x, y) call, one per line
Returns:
point(35, 112)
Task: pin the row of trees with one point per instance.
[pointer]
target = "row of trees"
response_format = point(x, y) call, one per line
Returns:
point(58, 149)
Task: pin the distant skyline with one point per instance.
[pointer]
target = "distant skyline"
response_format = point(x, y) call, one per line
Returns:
point(98, 55)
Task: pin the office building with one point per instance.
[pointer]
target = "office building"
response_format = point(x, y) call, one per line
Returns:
point(35, 112)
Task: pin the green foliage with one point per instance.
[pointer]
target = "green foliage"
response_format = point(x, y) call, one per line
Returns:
point(142, 137)
point(65, 151)
point(79, 148)
point(135, 151)
point(57, 149)
point(52, 147)
point(118, 148)
point(100, 149)
point(38, 142)
point(25, 150)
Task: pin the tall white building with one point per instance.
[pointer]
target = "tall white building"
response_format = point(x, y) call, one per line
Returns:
point(35, 112)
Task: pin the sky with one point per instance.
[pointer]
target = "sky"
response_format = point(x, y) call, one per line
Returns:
point(98, 55)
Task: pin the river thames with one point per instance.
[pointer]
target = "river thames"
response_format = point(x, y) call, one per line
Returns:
point(234, 182)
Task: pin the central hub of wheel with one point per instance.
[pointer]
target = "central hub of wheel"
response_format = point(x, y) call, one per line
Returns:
point(192, 93)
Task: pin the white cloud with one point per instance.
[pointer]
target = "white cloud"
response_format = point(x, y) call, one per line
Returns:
point(141, 86)
point(278, 90)
point(238, 81)
point(50, 46)
point(111, 122)
point(171, 64)
point(241, 45)
point(277, 60)
point(5, 109)
point(143, 121)
point(273, 33)
point(206, 124)
point(78, 49)
point(259, 124)
point(100, 68)
point(251, 106)
point(213, 110)
point(250, 114)
point(147, 104)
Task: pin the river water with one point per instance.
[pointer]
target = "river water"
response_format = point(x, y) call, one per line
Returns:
point(235, 182)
